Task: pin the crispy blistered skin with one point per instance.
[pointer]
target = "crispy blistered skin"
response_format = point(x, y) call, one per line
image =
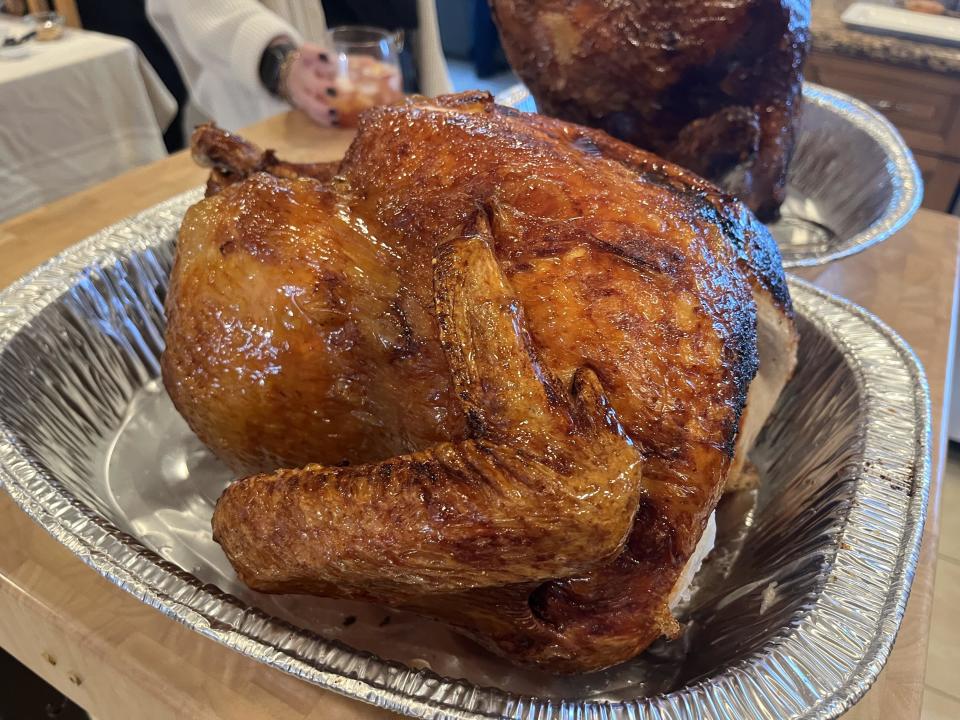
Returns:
point(547, 487)
point(712, 85)
point(509, 355)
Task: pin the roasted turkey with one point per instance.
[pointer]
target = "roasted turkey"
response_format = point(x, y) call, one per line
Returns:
point(713, 85)
point(494, 368)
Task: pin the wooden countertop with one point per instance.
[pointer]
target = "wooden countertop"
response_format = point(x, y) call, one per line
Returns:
point(119, 658)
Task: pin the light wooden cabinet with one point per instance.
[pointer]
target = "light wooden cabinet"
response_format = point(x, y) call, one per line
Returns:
point(925, 107)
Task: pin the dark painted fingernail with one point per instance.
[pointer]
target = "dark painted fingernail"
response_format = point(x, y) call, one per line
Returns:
point(332, 91)
point(333, 112)
point(323, 57)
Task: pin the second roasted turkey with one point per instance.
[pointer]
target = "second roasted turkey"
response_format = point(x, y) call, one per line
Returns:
point(491, 367)
point(712, 85)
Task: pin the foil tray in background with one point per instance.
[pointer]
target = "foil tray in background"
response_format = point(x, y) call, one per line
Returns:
point(795, 613)
point(852, 183)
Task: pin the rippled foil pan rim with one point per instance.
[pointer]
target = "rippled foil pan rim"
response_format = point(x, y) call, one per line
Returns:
point(787, 664)
point(905, 178)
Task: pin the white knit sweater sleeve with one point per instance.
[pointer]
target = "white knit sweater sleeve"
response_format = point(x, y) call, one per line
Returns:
point(218, 44)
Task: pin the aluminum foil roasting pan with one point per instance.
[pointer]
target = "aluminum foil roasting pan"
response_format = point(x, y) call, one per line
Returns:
point(853, 181)
point(793, 615)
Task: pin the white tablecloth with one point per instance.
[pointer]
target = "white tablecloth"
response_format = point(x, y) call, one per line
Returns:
point(74, 112)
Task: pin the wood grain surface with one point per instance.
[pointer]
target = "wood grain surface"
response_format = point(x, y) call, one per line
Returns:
point(120, 659)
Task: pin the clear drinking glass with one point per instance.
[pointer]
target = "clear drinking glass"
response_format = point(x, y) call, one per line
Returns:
point(368, 70)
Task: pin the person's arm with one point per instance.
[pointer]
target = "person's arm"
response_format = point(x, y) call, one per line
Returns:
point(303, 76)
point(230, 37)
point(222, 34)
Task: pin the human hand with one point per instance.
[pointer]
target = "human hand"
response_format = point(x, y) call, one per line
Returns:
point(309, 83)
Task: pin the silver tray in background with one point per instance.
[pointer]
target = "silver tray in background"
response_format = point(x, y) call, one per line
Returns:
point(795, 611)
point(853, 181)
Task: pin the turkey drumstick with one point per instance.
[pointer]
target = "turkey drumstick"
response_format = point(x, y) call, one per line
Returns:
point(232, 159)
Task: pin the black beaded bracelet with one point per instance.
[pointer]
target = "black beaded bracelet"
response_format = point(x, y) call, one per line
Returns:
point(271, 66)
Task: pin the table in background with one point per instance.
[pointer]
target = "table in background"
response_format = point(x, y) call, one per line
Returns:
point(119, 658)
point(74, 112)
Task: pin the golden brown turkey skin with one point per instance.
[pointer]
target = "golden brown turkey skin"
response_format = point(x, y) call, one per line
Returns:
point(307, 325)
point(291, 338)
point(713, 85)
point(547, 486)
